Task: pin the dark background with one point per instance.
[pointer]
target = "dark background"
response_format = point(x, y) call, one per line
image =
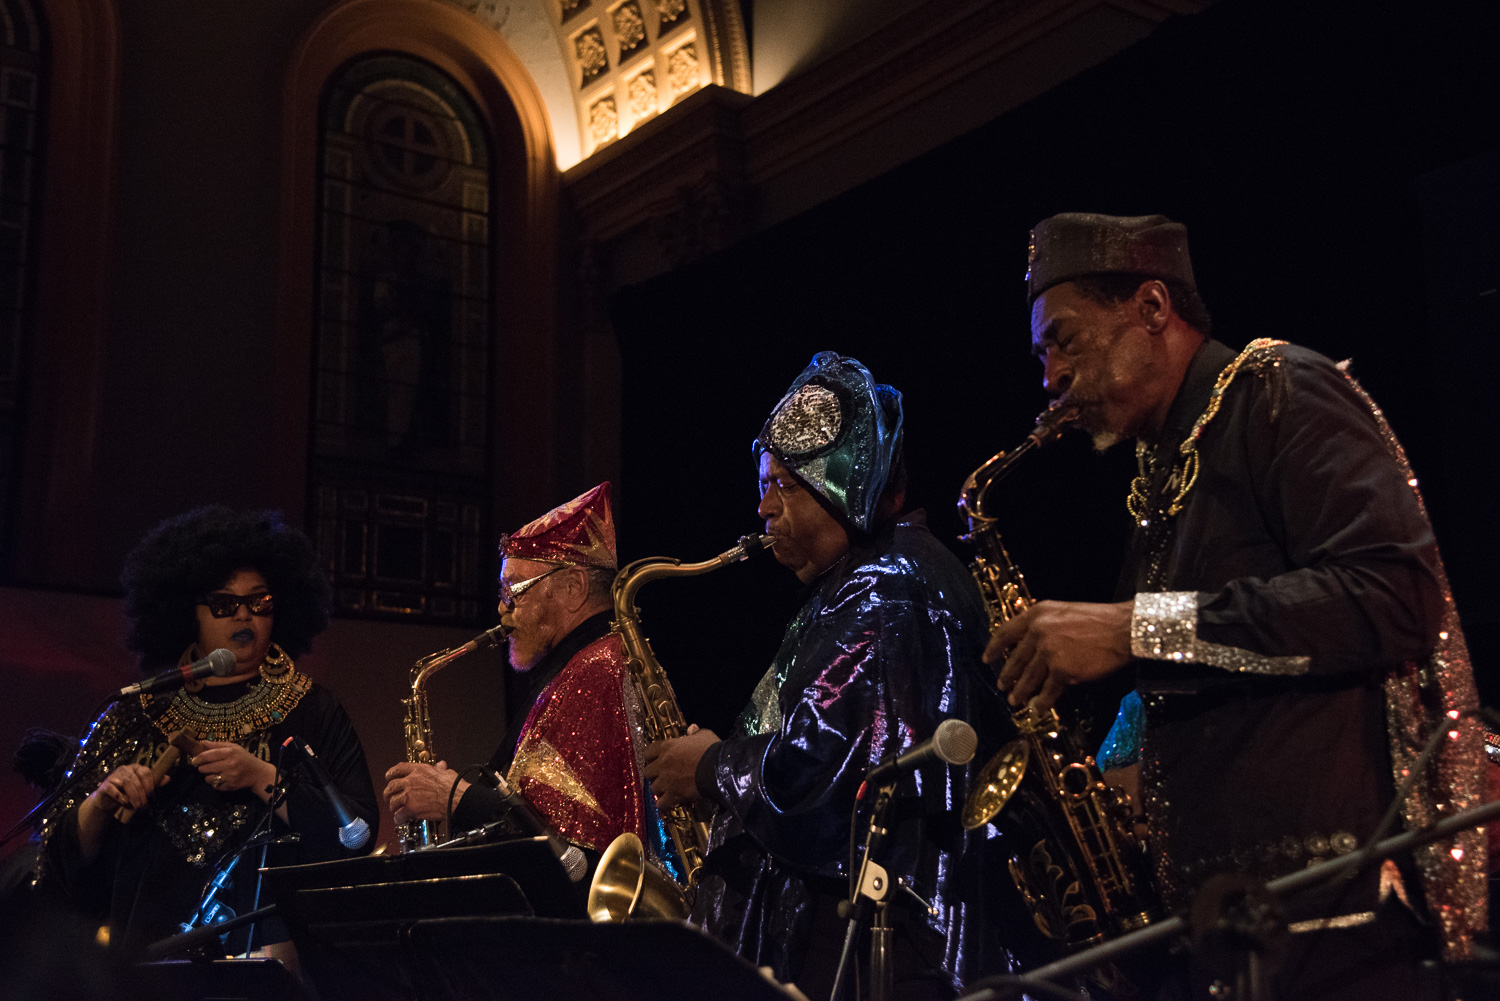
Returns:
point(1335, 164)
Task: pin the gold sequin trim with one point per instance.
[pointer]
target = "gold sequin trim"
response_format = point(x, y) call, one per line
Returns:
point(1323, 924)
point(1185, 476)
point(540, 762)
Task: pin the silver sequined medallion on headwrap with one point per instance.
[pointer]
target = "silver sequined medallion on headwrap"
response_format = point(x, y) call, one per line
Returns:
point(806, 421)
point(839, 431)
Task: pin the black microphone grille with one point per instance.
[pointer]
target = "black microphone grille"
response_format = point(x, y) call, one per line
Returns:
point(223, 661)
point(954, 741)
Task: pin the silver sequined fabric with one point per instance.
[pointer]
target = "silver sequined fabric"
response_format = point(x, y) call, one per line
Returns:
point(1422, 695)
point(202, 832)
point(1164, 626)
point(763, 714)
point(806, 420)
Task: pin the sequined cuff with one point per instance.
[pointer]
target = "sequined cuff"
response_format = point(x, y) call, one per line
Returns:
point(1164, 626)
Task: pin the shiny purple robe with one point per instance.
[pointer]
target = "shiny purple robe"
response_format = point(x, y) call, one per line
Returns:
point(885, 646)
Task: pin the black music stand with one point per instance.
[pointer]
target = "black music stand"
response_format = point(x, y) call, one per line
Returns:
point(536, 959)
point(222, 980)
point(349, 919)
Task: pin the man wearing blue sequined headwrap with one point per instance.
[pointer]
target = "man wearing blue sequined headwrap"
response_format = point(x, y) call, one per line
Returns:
point(885, 646)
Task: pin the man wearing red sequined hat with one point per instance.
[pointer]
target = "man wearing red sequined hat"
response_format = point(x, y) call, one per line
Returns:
point(569, 747)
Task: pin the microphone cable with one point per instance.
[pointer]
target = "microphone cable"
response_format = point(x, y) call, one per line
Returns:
point(479, 770)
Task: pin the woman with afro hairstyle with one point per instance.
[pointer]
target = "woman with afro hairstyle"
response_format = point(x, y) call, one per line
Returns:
point(136, 847)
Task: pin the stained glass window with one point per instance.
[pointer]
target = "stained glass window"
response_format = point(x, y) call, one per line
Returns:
point(400, 474)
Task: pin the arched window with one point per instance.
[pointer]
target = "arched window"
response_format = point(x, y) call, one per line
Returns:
point(22, 62)
point(399, 459)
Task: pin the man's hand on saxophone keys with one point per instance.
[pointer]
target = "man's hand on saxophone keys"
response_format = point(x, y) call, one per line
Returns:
point(671, 766)
point(1056, 644)
point(420, 792)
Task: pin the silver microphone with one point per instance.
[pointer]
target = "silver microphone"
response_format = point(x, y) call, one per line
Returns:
point(953, 743)
point(220, 664)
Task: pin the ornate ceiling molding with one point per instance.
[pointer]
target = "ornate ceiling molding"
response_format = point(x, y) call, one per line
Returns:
point(817, 133)
point(606, 67)
point(631, 60)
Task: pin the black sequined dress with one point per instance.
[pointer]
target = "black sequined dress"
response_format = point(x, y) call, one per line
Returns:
point(149, 873)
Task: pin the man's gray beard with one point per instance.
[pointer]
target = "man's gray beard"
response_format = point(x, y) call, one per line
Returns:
point(1106, 440)
point(523, 668)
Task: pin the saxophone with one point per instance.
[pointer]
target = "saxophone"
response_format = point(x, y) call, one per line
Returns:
point(620, 879)
point(416, 834)
point(1078, 867)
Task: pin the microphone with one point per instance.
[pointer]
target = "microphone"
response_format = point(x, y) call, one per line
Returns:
point(353, 831)
point(219, 664)
point(527, 816)
point(952, 743)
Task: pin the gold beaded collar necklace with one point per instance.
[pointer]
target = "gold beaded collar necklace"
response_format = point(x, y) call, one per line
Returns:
point(281, 687)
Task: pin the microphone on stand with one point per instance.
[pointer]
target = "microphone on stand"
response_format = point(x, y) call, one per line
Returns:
point(220, 663)
point(953, 743)
point(353, 831)
point(526, 816)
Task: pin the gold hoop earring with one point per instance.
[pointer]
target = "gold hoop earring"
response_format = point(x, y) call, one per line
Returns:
point(276, 664)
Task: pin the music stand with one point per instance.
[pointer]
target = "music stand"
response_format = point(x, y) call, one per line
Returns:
point(537, 959)
point(349, 918)
point(222, 980)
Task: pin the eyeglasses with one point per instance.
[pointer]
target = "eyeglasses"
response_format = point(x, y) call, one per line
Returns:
point(222, 606)
point(510, 593)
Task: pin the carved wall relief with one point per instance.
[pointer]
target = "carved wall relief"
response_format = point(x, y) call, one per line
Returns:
point(634, 59)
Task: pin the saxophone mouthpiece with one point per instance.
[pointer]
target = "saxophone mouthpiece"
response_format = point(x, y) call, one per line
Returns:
point(491, 637)
point(1052, 422)
point(753, 544)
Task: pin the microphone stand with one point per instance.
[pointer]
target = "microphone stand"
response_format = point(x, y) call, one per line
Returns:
point(1246, 913)
point(192, 938)
point(279, 790)
point(869, 902)
point(1045, 980)
point(189, 940)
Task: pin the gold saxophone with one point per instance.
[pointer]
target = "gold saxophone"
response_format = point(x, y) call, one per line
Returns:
point(1077, 864)
point(423, 833)
point(624, 878)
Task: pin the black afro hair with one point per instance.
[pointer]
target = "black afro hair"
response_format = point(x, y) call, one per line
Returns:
point(192, 554)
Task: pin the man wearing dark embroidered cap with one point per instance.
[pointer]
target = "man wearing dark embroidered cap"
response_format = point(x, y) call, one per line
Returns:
point(1286, 615)
point(884, 647)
